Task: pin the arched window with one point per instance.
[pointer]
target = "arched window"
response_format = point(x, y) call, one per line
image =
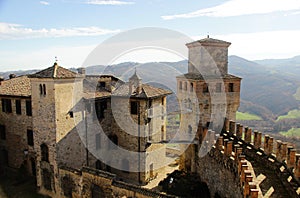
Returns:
point(41, 89)
point(44, 153)
point(191, 87)
point(44, 89)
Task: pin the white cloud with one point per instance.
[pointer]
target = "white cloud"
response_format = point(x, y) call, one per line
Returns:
point(109, 2)
point(44, 3)
point(40, 59)
point(241, 7)
point(263, 45)
point(16, 31)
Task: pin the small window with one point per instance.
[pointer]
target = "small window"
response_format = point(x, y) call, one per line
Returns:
point(180, 85)
point(28, 108)
point(30, 137)
point(71, 114)
point(41, 89)
point(98, 164)
point(218, 87)
point(44, 89)
point(134, 108)
point(18, 107)
point(6, 105)
point(231, 87)
point(98, 141)
point(162, 101)
point(205, 88)
point(44, 153)
point(102, 84)
point(2, 132)
point(192, 87)
point(100, 107)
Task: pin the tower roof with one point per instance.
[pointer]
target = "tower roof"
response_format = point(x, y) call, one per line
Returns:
point(54, 71)
point(135, 76)
point(209, 42)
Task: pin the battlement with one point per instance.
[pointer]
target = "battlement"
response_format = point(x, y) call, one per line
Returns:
point(239, 143)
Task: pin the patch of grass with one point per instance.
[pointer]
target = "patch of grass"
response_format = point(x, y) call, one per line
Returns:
point(291, 114)
point(293, 132)
point(297, 94)
point(247, 116)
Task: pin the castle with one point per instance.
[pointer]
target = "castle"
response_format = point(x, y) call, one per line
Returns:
point(98, 136)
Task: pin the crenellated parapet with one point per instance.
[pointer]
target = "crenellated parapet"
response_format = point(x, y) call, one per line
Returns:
point(280, 157)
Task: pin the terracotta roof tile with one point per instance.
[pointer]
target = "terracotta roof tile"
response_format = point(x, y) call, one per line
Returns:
point(54, 71)
point(148, 91)
point(196, 76)
point(19, 86)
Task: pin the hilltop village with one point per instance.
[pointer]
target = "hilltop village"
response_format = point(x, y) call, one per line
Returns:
point(98, 136)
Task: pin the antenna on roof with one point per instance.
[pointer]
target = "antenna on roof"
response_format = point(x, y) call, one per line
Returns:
point(55, 63)
point(207, 34)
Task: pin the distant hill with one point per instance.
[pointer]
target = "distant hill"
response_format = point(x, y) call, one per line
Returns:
point(267, 86)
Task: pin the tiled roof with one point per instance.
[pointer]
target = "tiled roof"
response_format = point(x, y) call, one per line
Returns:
point(19, 86)
point(148, 91)
point(209, 41)
point(196, 76)
point(55, 71)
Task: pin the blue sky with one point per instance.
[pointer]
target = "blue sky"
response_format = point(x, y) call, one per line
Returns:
point(33, 32)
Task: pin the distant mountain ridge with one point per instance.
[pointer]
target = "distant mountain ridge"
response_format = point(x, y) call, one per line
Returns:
point(267, 86)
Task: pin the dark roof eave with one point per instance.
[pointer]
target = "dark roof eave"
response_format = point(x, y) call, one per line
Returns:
point(15, 96)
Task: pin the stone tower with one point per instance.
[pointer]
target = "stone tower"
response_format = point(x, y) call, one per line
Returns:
point(55, 91)
point(207, 93)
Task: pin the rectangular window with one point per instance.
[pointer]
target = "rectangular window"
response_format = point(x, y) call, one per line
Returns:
point(6, 105)
point(231, 87)
point(100, 107)
point(134, 108)
point(2, 132)
point(28, 108)
point(205, 88)
point(98, 141)
point(18, 107)
point(30, 137)
point(180, 85)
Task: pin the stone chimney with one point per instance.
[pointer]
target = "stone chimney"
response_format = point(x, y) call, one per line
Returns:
point(81, 71)
point(11, 76)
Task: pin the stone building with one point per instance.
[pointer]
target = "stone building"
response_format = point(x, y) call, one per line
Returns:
point(16, 130)
point(207, 93)
point(59, 118)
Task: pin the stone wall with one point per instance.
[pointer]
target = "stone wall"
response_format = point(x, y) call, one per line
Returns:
point(89, 182)
point(16, 141)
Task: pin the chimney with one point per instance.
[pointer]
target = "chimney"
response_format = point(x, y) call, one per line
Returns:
point(1, 79)
point(81, 71)
point(11, 76)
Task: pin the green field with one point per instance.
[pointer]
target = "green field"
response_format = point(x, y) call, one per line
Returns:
point(291, 114)
point(247, 116)
point(297, 94)
point(293, 132)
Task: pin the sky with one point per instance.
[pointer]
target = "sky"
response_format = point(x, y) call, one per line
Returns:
point(33, 32)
